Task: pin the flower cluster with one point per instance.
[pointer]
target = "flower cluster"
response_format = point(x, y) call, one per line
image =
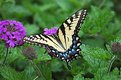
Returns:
point(12, 32)
point(50, 31)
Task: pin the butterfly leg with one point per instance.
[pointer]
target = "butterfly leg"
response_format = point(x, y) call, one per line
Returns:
point(68, 65)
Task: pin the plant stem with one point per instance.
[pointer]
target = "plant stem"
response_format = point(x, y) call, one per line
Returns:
point(110, 65)
point(6, 54)
point(35, 78)
point(38, 70)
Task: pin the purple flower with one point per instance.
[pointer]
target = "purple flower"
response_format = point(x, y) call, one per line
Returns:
point(12, 32)
point(50, 31)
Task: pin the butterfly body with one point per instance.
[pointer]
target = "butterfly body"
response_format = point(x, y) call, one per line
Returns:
point(65, 44)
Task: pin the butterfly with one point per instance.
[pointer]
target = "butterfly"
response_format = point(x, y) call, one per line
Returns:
point(65, 44)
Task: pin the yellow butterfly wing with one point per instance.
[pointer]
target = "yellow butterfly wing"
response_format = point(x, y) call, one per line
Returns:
point(43, 40)
point(71, 27)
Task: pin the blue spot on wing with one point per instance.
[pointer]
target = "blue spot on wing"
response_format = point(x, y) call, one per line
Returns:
point(74, 46)
point(73, 51)
point(65, 55)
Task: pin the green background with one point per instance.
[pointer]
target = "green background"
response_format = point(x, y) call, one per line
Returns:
point(100, 30)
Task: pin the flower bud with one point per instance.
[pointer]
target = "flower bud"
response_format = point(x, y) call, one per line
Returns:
point(116, 49)
point(29, 52)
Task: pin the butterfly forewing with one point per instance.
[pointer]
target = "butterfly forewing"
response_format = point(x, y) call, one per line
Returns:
point(71, 27)
point(44, 40)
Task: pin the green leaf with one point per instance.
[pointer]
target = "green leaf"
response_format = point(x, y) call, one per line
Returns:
point(31, 29)
point(9, 10)
point(42, 56)
point(56, 65)
point(10, 1)
point(102, 74)
point(91, 40)
point(10, 74)
point(46, 7)
point(78, 77)
point(97, 20)
point(1, 2)
point(95, 56)
point(39, 20)
point(63, 4)
point(14, 54)
point(45, 71)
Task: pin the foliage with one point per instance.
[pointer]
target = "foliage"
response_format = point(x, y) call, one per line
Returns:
point(100, 30)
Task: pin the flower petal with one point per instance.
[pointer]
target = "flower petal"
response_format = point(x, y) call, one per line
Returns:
point(50, 31)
